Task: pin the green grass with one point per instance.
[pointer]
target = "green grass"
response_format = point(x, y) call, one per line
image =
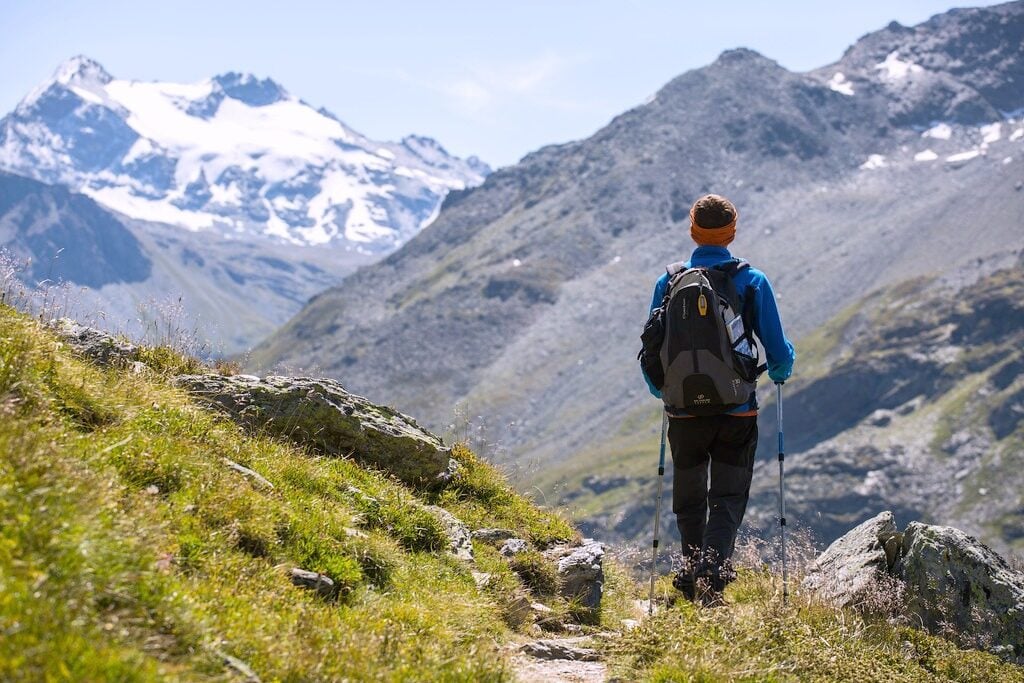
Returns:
point(131, 551)
point(756, 638)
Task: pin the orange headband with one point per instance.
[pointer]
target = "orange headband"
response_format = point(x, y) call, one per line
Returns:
point(714, 237)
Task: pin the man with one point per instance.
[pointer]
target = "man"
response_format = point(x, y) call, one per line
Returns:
point(709, 517)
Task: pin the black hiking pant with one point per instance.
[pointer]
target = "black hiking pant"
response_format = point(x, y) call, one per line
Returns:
point(709, 517)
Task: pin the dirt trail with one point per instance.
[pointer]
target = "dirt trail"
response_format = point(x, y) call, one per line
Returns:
point(568, 660)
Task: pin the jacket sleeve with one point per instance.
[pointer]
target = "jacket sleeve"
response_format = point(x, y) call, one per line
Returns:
point(768, 327)
point(659, 294)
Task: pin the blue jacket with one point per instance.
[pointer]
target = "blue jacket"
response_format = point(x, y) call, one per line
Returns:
point(767, 323)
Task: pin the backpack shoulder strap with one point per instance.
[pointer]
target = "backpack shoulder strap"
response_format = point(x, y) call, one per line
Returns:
point(732, 266)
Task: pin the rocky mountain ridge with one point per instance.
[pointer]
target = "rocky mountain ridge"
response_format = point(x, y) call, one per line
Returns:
point(234, 155)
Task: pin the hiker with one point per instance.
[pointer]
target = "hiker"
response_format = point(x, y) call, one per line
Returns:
point(709, 392)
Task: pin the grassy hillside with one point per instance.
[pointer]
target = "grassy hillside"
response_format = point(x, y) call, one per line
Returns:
point(130, 550)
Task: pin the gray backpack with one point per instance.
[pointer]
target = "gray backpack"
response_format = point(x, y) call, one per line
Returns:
point(698, 347)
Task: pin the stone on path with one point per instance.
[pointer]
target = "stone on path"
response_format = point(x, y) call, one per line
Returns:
point(580, 572)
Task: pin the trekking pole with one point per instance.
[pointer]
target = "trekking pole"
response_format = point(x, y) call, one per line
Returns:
point(782, 497)
point(657, 510)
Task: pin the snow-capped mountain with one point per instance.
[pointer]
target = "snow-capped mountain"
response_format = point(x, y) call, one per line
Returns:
point(234, 154)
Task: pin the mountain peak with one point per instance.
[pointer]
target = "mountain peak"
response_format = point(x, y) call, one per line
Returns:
point(740, 55)
point(81, 70)
point(249, 89)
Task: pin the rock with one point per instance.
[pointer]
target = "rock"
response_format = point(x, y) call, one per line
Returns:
point(513, 547)
point(251, 474)
point(954, 580)
point(559, 649)
point(246, 672)
point(517, 609)
point(319, 413)
point(938, 577)
point(880, 418)
point(545, 617)
point(97, 346)
point(849, 570)
point(493, 535)
point(630, 624)
point(459, 543)
point(323, 585)
point(580, 572)
point(482, 579)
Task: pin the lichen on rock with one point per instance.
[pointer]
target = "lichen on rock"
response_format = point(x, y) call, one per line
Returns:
point(321, 414)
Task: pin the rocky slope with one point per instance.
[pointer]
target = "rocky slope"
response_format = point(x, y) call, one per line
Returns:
point(524, 300)
point(232, 155)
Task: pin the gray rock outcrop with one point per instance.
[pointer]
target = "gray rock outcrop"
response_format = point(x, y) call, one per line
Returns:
point(580, 572)
point(513, 547)
point(849, 571)
point(319, 413)
point(460, 544)
point(955, 582)
point(99, 347)
point(936, 576)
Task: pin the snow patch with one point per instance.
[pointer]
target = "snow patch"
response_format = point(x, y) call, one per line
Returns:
point(926, 155)
point(840, 84)
point(874, 161)
point(1017, 135)
point(940, 131)
point(1007, 160)
point(991, 133)
point(894, 68)
point(123, 200)
point(516, 263)
point(963, 156)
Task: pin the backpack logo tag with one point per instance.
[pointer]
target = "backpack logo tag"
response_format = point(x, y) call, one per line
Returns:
point(702, 305)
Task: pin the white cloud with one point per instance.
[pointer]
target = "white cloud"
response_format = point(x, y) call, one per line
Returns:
point(486, 86)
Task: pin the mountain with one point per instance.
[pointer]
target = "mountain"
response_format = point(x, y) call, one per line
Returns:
point(524, 300)
point(235, 156)
point(133, 277)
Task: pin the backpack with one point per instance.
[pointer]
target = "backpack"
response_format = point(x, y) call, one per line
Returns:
point(698, 347)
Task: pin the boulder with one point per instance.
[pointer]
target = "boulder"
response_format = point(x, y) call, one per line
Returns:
point(580, 572)
point(959, 587)
point(97, 346)
point(319, 413)
point(848, 572)
point(935, 576)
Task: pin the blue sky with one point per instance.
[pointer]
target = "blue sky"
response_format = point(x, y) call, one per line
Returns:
point(493, 79)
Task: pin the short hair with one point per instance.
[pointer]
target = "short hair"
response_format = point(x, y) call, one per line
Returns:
point(713, 211)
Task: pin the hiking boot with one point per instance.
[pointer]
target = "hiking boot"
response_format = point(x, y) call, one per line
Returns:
point(684, 583)
point(710, 592)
